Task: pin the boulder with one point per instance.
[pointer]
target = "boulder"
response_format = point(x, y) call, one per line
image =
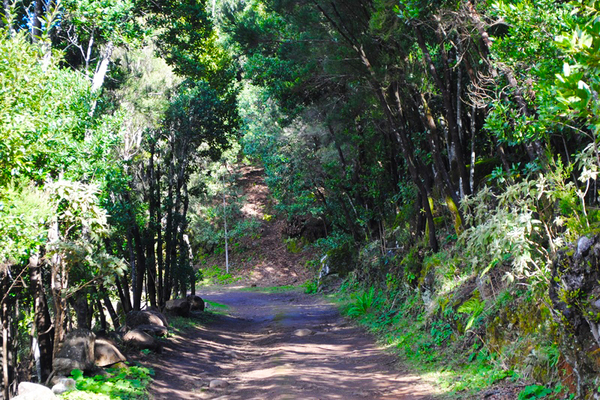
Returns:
point(196, 302)
point(34, 391)
point(141, 340)
point(63, 385)
point(179, 307)
point(106, 353)
point(76, 352)
point(155, 330)
point(145, 317)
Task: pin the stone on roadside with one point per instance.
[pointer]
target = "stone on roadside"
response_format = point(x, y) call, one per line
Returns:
point(178, 307)
point(303, 332)
point(141, 340)
point(106, 353)
point(196, 303)
point(63, 385)
point(218, 384)
point(156, 330)
point(76, 352)
point(145, 317)
point(34, 391)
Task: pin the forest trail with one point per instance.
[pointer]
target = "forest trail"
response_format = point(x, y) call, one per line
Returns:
point(277, 346)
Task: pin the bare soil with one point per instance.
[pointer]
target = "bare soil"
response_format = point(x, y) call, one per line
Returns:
point(279, 346)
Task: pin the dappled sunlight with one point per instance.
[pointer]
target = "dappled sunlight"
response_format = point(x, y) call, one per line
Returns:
point(259, 351)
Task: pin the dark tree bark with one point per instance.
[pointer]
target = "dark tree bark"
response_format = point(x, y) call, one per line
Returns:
point(43, 323)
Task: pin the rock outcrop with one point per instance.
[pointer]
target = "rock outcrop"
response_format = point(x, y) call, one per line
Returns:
point(575, 294)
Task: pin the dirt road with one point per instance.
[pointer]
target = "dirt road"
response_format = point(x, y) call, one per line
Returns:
point(279, 346)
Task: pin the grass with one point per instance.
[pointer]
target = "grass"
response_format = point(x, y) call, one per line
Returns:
point(217, 276)
point(272, 289)
point(431, 348)
point(215, 307)
point(181, 324)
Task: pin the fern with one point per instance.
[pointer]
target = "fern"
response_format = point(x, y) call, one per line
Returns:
point(472, 307)
point(362, 303)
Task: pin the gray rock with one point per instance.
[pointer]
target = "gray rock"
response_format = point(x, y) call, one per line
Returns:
point(141, 340)
point(63, 385)
point(156, 330)
point(179, 307)
point(583, 245)
point(34, 391)
point(145, 317)
point(76, 352)
point(106, 353)
point(196, 303)
point(218, 384)
point(303, 332)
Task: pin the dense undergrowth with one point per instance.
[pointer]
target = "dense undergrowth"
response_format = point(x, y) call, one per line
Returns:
point(480, 311)
point(129, 383)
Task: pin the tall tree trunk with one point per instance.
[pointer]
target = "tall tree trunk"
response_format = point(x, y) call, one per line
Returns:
point(43, 324)
point(123, 289)
point(4, 321)
point(102, 68)
point(159, 240)
point(448, 106)
point(36, 23)
point(82, 310)
point(140, 267)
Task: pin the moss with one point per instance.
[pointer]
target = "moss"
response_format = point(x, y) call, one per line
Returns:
point(454, 210)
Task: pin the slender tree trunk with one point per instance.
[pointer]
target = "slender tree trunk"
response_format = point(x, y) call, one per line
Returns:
point(6, 367)
point(109, 307)
point(473, 158)
point(82, 310)
point(102, 69)
point(43, 323)
point(448, 107)
point(159, 239)
point(140, 267)
point(96, 297)
point(36, 23)
point(123, 290)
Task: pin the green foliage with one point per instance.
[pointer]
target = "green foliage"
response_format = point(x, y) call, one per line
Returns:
point(125, 383)
point(473, 308)
point(534, 392)
point(83, 224)
point(580, 77)
point(362, 303)
point(293, 245)
point(44, 110)
point(311, 286)
point(24, 214)
point(217, 275)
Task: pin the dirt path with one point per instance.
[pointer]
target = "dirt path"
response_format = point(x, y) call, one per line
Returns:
point(279, 346)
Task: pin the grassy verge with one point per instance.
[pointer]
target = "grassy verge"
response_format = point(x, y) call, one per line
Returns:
point(272, 289)
point(452, 347)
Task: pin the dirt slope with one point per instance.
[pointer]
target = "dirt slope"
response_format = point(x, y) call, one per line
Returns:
point(263, 261)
